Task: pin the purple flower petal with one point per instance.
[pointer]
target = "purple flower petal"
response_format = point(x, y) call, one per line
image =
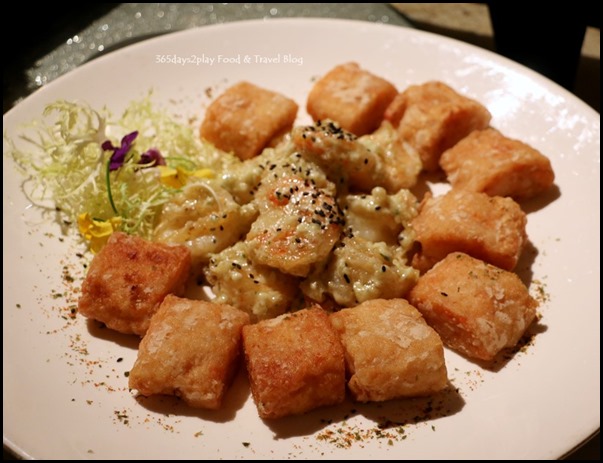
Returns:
point(108, 146)
point(152, 155)
point(126, 144)
point(117, 160)
point(127, 140)
point(119, 154)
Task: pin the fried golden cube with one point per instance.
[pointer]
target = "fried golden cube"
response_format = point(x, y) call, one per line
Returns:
point(476, 308)
point(352, 97)
point(390, 351)
point(432, 117)
point(191, 350)
point(490, 228)
point(295, 363)
point(129, 278)
point(491, 163)
point(246, 118)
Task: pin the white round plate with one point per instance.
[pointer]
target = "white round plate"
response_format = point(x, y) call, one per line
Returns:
point(65, 392)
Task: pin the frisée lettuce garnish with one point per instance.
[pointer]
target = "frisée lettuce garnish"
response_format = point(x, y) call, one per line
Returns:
point(74, 164)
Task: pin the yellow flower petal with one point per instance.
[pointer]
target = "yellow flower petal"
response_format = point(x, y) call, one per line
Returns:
point(96, 231)
point(175, 178)
point(202, 173)
point(178, 177)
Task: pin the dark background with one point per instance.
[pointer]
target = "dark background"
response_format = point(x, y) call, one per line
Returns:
point(42, 28)
point(547, 39)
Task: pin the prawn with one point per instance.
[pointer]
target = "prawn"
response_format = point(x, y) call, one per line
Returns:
point(297, 227)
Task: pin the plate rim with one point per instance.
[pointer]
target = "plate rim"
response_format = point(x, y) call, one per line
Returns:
point(271, 22)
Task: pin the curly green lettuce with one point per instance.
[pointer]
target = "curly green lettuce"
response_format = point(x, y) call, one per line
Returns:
point(65, 162)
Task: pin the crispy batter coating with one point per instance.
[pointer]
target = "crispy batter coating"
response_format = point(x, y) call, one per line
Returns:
point(246, 118)
point(347, 162)
point(351, 96)
point(358, 164)
point(489, 162)
point(488, 228)
point(379, 216)
point(359, 270)
point(262, 291)
point(191, 350)
point(397, 167)
point(476, 308)
point(295, 363)
point(129, 278)
point(205, 218)
point(432, 117)
point(297, 227)
point(390, 351)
